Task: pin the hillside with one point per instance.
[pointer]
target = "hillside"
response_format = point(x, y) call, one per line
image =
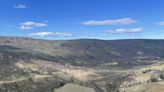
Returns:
point(34, 65)
point(90, 52)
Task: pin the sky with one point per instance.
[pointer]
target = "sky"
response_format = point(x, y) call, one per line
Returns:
point(82, 19)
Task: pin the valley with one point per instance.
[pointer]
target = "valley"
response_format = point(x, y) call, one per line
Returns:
point(33, 65)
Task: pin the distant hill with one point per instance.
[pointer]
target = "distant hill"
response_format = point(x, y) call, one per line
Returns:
point(85, 51)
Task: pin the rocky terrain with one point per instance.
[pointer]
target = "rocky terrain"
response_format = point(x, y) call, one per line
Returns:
point(33, 65)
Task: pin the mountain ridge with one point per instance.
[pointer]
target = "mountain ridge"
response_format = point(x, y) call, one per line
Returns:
point(92, 51)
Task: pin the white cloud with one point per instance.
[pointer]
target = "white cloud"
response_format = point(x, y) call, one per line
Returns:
point(161, 23)
point(123, 21)
point(46, 34)
point(26, 27)
point(31, 25)
point(20, 6)
point(119, 31)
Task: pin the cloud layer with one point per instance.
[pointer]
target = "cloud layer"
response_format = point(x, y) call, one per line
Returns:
point(47, 34)
point(123, 21)
point(31, 25)
point(161, 23)
point(119, 31)
point(20, 6)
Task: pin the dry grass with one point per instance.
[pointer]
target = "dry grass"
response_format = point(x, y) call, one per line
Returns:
point(150, 87)
point(29, 66)
point(154, 67)
point(80, 74)
point(142, 77)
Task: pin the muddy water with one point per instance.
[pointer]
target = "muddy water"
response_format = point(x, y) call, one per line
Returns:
point(74, 88)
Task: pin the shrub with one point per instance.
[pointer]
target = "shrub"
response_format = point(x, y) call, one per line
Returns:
point(155, 77)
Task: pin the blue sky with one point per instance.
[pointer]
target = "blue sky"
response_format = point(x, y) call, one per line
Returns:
point(89, 19)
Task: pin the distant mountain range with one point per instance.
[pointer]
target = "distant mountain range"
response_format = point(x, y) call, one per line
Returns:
point(84, 52)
